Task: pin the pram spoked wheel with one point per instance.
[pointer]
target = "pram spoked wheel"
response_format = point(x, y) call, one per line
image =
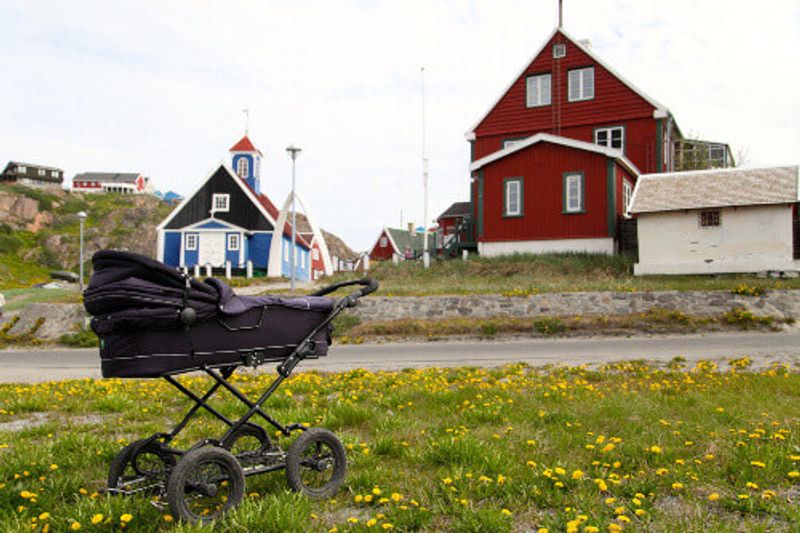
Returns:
point(205, 483)
point(316, 464)
point(141, 466)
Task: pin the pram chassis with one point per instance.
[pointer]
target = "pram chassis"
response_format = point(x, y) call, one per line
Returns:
point(167, 467)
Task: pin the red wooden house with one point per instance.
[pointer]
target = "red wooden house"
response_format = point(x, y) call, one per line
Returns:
point(555, 158)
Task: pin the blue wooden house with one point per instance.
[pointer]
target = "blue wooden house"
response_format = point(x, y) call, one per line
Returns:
point(228, 220)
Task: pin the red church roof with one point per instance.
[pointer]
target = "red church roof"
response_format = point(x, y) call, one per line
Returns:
point(245, 145)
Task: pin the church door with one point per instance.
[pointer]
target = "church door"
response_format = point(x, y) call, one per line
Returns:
point(212, 248)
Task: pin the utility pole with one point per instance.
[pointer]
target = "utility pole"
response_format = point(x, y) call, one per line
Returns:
point(82, 217)
point(293, 150)
point(425, 252)
point(246, 112)
point(560, 13)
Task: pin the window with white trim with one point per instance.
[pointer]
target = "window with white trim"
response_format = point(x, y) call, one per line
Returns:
point(384, 242)
point(220, 203)
point(54, 173)
point(285, 250)
point(315, 254)
point(573, 193)
point(22, 169)
point(191, 241)
point(233, 242)
point(42, 172)
point(612, 137)
point(559, 51)
point(512, 198)
point(243, 167)
point(627, 194)
point(581, 84)
point(538, 90)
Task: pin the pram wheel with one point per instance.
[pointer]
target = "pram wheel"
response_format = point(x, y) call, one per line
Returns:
point(141, 466)
point(205, 483)
point(316, 464)
point(248, 439)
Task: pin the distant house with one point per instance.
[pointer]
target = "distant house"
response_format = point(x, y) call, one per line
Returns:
point(228, 220)
point(32, 175)
point(454, 225)
point(400, 244)
point(112, 182)
point(717, 221)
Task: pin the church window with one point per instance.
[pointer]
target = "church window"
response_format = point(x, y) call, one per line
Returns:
point(220, 203)
point(243, 168)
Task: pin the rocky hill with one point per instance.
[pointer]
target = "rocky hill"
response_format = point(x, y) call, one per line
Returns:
point(39, 229)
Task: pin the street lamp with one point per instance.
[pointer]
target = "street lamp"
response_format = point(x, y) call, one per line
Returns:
point(82, 217)
point(293, 150)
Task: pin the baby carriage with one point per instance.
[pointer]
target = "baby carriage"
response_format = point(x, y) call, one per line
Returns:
point(154, 321)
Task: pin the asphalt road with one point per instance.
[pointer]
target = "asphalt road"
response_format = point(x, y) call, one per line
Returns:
point(764, 348)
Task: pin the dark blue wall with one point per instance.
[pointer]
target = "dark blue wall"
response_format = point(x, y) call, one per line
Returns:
point(258, 246)
point(172, 248)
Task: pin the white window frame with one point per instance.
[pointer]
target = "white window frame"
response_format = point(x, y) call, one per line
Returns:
point(22, 169)
point(559, 50)
point(709, 218)
point(234, 242)
point(538, 82)
point(243, 167)
point(54, 173)
point(584, 92)
point(573, 203)
point(315, 254)
point(627, 196)
point(515, 185)
point(286, 250)
point(220, 203)
point(42, 172)
point(384, 242)
point(191, 241)
point(609, 131)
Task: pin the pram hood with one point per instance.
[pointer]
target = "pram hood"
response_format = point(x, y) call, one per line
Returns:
point(129, 291)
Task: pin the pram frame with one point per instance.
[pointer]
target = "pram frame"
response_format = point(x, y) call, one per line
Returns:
point(221, 374)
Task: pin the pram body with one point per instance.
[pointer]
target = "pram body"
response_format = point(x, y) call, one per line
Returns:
point(154, 321)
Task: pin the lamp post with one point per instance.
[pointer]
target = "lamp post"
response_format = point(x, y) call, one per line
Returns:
point(82, 217)
point(293, 151)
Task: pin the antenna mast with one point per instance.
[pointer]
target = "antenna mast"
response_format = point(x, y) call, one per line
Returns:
point(560, 13)
point(425, 257)
point(246, 112)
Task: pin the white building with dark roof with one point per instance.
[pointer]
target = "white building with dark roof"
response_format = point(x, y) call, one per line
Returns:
point(717, 221)
point(117, 182)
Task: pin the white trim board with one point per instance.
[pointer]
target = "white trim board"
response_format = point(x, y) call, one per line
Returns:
point(660, 110)
point(603, 245)
point(555, 139)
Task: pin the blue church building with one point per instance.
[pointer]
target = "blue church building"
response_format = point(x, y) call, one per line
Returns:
point(227, 219)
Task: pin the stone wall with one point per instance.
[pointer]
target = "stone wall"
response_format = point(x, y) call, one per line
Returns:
point(779, 303)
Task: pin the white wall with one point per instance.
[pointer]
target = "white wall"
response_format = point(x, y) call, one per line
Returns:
point(598, 246)
point(749, 239)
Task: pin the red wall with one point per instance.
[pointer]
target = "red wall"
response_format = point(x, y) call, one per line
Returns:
point(613, 104)
point(382, 254)
point(542, 166)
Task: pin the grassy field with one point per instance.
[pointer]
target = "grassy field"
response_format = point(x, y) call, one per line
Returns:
point(625, 447)
point(528, 274)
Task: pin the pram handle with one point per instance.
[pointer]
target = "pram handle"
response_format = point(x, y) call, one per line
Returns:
point(369, 285)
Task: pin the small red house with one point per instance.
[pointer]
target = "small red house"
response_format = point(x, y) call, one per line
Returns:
point(551, 194)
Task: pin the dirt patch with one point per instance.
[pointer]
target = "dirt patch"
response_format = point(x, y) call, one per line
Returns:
point(39, 419)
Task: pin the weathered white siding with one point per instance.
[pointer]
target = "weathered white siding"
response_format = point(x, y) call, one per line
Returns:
point(749, 239)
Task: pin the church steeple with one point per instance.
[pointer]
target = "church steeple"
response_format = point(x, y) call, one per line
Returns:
point(246, 162)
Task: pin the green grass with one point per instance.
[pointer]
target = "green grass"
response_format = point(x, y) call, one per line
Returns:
point(16, 299)
point(466, 449)
point(520, 275)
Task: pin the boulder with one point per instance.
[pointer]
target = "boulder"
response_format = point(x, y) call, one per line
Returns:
point(59, 319)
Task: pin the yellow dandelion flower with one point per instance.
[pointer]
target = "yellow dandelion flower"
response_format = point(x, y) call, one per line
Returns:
point(794, 474)
point(655, 449)
point(505, 512)
point(125, 518)
point(75, 526)
point(713, 497)
point(677, 485)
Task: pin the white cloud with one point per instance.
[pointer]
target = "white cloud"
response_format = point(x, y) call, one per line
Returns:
point(159, 87)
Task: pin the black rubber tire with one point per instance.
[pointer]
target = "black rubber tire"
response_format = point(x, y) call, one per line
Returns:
point(129, 457)
point(191, 463)
point(248, 430)
point(297, 454)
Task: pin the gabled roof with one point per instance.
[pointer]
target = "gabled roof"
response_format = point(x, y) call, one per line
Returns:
point(245, 145)
point(555, 139)
point(29, 165)
point(458, 209)
point(108, 177)
point(402, 239)
point(660, 110)
point(729, 187)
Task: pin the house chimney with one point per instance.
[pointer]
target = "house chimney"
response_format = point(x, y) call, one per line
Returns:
point(411, 227)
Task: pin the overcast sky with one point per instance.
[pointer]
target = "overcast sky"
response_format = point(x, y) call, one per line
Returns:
point(159, 87)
